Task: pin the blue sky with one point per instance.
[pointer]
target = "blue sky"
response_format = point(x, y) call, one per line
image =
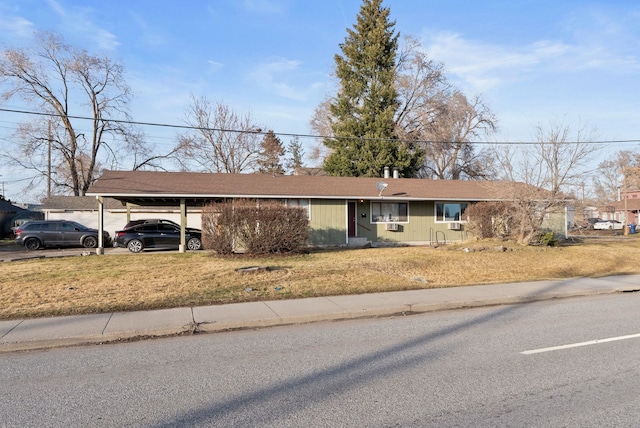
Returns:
point(532, 61)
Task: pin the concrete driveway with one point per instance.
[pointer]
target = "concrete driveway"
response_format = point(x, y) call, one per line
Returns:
point(11, 252)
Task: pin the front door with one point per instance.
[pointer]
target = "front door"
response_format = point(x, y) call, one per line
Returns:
point(351, 213)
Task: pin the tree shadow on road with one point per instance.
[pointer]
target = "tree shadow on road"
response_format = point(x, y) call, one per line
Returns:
point(290, 395)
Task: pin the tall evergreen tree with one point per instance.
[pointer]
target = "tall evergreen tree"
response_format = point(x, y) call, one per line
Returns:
point(363, 140)
point(296, 155)
point(271, 153)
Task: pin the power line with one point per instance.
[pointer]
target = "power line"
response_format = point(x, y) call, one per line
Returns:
point(285, 134)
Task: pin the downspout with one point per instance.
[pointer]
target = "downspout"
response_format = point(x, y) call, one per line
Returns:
point(183, 225)
point(100, 249)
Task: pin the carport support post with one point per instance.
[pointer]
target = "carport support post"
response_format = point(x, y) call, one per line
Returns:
point(183, 225)
point(100, 249)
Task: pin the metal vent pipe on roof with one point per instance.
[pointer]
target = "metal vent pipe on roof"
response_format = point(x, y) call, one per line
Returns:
point(386, 172)
point(396, 173)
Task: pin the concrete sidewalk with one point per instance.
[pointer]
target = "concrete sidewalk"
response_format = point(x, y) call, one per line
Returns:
point(41, 333)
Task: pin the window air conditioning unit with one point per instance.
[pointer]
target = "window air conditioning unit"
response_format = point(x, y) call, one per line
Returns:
point(392, 226)
point(454, 226)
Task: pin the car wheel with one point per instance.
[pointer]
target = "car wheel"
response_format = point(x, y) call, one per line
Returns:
point(90, 242)
point(32, 244)
point(135, 246)
point(194, 244)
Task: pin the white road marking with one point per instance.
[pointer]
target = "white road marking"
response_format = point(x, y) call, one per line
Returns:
point(576, 345)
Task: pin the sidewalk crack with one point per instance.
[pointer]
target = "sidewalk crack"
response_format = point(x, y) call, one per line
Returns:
point(194, 327)
point(12, 328)
point(107, 323)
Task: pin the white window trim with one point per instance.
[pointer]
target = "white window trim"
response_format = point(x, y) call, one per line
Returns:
point(435, 212)
point(389, 221)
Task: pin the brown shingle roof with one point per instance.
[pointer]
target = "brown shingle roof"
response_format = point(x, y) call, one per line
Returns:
point(78, 203)
point(631, 204)
point(136, 186)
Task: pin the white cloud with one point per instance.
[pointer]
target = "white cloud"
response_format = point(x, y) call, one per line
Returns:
point(78, 24)
point(105, 40)
point(17, 27)
point(214, 66)
point(271, 76)
point(484, 66)
point(57, 7)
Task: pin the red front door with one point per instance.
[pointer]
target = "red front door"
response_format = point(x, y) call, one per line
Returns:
point(351, 213)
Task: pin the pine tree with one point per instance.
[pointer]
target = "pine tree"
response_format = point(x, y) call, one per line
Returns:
point(271, 153)
point(296, 154)
point(364, 140)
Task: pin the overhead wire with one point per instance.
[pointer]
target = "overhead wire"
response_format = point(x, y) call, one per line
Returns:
point(288, 134)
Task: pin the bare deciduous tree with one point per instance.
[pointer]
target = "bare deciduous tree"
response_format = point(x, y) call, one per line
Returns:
point(612, 173)
point(321, 125)
point(540, 175)
point(422, 87)
point(67, 83)
point(221, 140)
point(448, 143)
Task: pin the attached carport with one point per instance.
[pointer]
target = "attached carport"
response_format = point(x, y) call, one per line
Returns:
point(151, 201)
point(147, 190)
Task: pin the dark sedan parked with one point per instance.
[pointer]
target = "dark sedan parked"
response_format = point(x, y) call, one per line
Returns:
point(158, 221)
point(156, 235)
point(57, 233)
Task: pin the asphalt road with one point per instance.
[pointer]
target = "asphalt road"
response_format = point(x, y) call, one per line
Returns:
point(484, 367)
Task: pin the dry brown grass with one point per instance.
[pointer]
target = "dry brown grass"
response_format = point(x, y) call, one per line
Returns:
point(124, 282)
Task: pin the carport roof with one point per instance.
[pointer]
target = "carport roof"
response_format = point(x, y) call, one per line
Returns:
point(168, 188)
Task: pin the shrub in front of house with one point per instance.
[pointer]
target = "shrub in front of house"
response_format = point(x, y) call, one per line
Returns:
point(490, 220)
point(547, 239)
point(218, 228)
point(254, 227)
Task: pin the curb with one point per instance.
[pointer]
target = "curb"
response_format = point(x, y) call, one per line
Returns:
point(78, 330)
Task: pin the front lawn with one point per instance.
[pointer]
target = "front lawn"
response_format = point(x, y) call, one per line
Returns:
point(126, 282)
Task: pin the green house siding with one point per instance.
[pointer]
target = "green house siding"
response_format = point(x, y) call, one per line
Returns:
point(556, 221)
point(328, 222)
point(420, 227)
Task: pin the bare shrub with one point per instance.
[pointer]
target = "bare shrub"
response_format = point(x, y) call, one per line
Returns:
point(255, 228)
point(218, 228)
point(490, 220)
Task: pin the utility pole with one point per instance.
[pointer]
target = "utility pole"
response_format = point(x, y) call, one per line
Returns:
point(624, 185)
point(49, 163)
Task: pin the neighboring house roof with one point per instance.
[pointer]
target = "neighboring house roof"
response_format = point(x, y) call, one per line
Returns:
point(77, 203)
point(8, 207)
point(309, 171)
point(145, 187)
point(632, 204)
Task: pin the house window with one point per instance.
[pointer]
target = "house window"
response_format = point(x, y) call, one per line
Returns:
point(448, 212)
point(387, 212)
point(302, 203)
